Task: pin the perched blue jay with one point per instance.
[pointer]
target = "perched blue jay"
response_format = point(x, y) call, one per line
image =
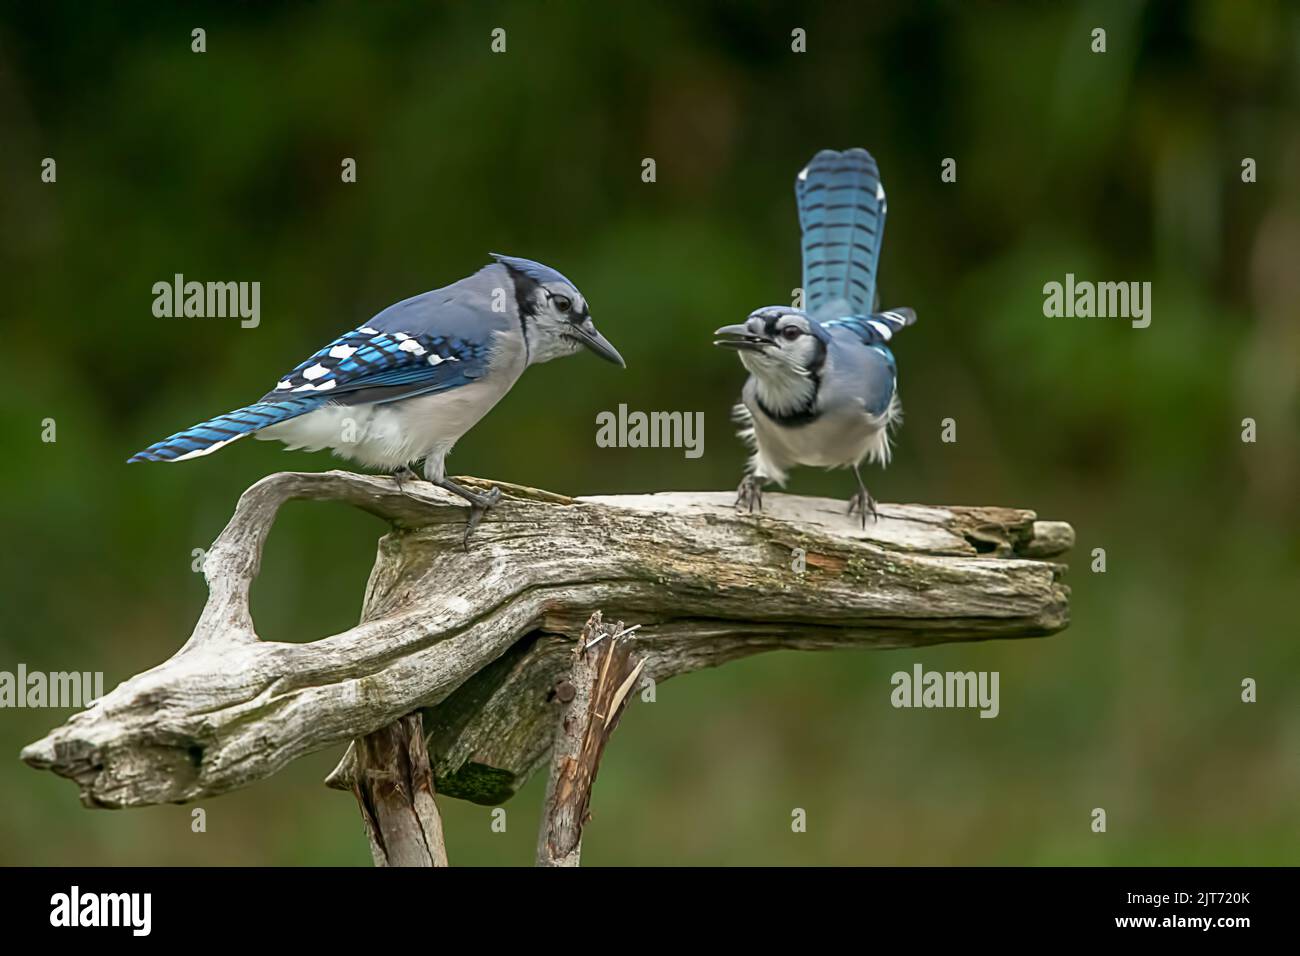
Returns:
point(406, 385)
point(823, 385)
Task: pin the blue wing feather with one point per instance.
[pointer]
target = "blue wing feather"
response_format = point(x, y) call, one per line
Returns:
point(842, 216)
point(870, 344)
point(874, 329)
point(364, 365)
point(366, 359)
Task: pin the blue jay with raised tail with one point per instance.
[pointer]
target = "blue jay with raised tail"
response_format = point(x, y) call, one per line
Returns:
point(823, 384)
point(404, 387)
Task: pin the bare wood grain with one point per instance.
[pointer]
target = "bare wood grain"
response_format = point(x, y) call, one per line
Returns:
point(463, 636)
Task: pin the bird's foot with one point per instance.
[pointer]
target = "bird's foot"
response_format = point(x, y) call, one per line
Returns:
point(863, 504)
point(405, 473)
point(478, 503)
point(750, 493)
point(478, 507)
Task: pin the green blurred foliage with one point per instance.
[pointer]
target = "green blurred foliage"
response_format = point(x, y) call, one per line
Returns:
point(1116, 166)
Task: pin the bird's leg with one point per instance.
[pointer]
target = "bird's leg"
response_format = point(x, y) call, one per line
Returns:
point(750, 493)
point(478, 504)
point(862, 502)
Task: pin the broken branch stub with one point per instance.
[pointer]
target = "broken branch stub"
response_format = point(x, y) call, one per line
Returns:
point(590, 697)
point(394, 788)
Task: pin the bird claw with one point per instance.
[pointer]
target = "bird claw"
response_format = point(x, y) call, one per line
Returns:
point(750, 494)
point(864, 504)
point(404, 474)
point(478, 507)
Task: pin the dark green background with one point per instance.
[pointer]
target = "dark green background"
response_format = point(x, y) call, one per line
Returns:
point(1122, 166)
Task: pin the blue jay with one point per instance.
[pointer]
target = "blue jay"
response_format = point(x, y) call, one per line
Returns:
point(406, 385)
point(823, 385)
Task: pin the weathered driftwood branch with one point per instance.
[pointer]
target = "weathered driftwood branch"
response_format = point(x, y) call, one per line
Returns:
point(597, 687)
point(393, 784)
point(477, 639)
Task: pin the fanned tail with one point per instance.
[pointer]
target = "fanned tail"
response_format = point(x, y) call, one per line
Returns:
point(842, 215)
point(207, 437)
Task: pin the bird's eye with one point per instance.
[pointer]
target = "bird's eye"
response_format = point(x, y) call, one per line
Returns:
point(562, 302)
point(790, 333)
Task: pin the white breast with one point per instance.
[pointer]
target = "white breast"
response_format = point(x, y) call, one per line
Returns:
point(835, 440)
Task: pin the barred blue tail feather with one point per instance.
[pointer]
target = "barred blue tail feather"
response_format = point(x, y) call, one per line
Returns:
point(207, 437)
point(842, 215)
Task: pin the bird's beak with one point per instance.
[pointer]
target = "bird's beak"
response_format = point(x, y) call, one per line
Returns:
point(741, 338)
point(591, 338)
